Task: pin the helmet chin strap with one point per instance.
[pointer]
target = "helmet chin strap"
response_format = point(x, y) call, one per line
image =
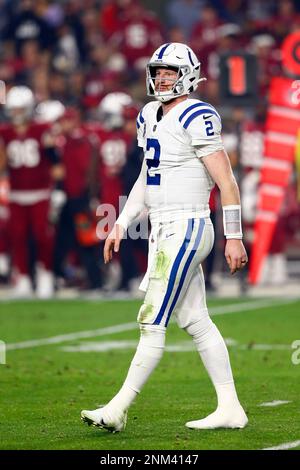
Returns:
point(163, 99)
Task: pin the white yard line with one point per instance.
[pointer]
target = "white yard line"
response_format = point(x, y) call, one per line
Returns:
point(285, 446)
point(275, 403)
point(104, 346)
point(266, 347)
point(72, 336)
point(231, 308)
point(247, 306)
point(184, 346)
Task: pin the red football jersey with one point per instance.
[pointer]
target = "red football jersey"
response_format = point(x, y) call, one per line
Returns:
point(138, 38)
point(76, 152)
point(28, 166)
point(113, 149)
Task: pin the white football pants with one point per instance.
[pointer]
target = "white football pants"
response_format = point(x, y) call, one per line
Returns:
point(174, 281)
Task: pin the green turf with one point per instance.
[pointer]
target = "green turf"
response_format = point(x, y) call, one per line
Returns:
point(44, 388)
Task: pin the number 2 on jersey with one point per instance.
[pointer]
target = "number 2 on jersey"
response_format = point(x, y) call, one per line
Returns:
point(209, 128)
point(153, 162)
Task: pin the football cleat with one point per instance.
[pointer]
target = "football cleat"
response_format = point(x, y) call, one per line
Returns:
point(105, 419)
point(233, 419)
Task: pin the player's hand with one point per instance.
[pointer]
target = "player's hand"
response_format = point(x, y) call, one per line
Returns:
point(112, 243)
point(236, 255)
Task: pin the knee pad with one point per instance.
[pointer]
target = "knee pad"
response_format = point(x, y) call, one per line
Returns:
point(204, 332)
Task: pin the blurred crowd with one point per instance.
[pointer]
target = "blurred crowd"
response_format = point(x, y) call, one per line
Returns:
point(84, 65)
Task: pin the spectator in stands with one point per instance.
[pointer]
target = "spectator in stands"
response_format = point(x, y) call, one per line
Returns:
point(205, 31)
point(184, 14)
point(285, 21)
point(139, 33)
point(25, 24)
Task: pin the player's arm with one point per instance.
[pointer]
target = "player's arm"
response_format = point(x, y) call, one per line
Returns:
point(132, 209)
point(219, 168)
point(204, 129)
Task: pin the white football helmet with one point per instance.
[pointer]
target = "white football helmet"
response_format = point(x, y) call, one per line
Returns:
point(19, 104)
point(183, 60)
point(110, 109)
point(49, 111)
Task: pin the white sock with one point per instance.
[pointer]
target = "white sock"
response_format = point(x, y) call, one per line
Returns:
point(214, 354)
point(148, 354)
point(227, 396)
point(123, 399)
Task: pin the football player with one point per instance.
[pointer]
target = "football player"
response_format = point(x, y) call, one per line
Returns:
point(28, 154)
point(184, 156)
point(75, 228)
point(113, 146)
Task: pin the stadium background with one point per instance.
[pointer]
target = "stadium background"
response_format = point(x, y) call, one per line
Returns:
point(65, 354)
point(78, 53)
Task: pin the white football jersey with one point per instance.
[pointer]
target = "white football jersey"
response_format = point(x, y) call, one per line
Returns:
point(178, 184)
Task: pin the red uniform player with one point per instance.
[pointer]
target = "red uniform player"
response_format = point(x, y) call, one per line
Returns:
point(27, 154)
point(76, 229)
point(113, 147)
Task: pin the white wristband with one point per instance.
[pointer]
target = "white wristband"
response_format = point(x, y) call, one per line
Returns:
point(232, 222)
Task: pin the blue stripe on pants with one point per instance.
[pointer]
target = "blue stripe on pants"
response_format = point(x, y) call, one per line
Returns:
point(186, 267)
point(174, 271)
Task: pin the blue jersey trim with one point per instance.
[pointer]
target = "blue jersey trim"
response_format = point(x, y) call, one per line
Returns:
point(199, 113)
point(197, 105)
point(141, 117)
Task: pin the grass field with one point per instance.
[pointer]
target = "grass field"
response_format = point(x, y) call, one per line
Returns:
point(44, 385)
